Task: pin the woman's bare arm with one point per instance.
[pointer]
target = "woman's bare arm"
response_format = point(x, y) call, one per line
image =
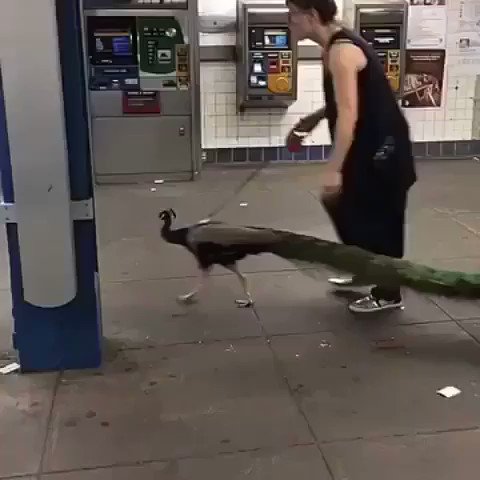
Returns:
point(345, 61)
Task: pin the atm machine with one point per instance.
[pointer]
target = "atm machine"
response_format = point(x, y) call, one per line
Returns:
point(266, 56)
point(384, 26)
point(142, 61)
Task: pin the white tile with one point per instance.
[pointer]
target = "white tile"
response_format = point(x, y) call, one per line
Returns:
point(209, 109)
point(276, 141)
point(417, 131)
point(220, 121)
point(232, 131)
point(439, 129)
point(234, 142)
point(428, 131)
point(320, 136)
point(258, 142)
point(223, 87)
point(467, 127)
point(221, 109)
point(246, 132)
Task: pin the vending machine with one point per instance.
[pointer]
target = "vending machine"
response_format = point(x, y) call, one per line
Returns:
point(143, 68)
point(384, 26)
point(266, 56)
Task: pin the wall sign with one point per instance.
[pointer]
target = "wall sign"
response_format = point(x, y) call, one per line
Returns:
point(427, 24)
point(424, 72)
point(464, 32)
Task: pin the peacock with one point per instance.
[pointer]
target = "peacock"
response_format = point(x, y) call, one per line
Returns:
point(217, 243)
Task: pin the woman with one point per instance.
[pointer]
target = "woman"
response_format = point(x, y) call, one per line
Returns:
point(371, 166)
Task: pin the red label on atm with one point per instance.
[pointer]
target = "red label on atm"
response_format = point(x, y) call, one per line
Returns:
point(273, 66)
point(141, 103)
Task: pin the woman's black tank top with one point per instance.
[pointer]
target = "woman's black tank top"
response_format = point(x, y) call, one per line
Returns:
point(379, 117)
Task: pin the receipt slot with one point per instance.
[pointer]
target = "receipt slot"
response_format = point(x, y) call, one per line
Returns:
point(266, 56)
point(143, 85)
point(383, 26)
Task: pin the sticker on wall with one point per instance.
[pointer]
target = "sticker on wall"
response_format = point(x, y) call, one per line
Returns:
point(424, 71)
point(427, 24)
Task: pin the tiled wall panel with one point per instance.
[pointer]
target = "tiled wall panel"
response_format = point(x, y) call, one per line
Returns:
point(222, 127)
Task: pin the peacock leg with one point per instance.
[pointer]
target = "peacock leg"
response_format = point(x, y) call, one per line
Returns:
point(248, 302)
point(192, 296)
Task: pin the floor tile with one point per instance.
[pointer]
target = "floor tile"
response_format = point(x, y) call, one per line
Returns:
point(432, 235)
point(146, 313)
point(129, 230)
point(472, 327)
point(458, 309)
point(384, 382)
point(298, 463)
point(25, 403)
point(427, 457)
point(294, 302)
point(173, 402)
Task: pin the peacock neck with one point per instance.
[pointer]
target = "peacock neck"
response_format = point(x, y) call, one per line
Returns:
point(167, 229)
point(173, 236)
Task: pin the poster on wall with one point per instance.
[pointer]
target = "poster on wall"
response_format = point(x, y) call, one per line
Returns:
point(464, 34)
point(427, 24)
point(424, 70)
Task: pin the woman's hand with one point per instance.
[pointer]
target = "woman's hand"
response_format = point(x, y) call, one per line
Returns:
point(294, 141)
point(301, 130)
point(331, 182)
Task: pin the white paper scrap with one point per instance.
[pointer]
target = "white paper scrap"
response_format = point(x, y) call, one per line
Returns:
point(12, 367)
point(449, 392)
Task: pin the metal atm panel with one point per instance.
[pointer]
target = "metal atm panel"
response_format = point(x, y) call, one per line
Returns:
point(126, 155)
point(384, 26)
point(267, 56)
point(143, 85)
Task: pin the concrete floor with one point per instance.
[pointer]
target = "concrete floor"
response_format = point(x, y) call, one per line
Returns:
point(295, 389)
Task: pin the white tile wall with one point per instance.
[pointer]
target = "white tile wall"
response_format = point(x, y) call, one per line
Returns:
point(223, 127)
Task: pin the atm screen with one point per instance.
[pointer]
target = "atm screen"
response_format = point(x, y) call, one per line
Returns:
point(276, 39)
point(112, 40)
point(382, 38)
point(265, 38)
point(115, 43)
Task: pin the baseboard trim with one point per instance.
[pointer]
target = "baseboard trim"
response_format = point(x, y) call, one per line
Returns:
point(449, 150)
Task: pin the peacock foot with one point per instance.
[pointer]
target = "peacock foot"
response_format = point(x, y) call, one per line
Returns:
point(244, 303)
point(187, 299)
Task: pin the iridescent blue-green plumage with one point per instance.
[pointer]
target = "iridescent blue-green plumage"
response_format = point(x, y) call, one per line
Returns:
point(219, 243)
point(375, 269)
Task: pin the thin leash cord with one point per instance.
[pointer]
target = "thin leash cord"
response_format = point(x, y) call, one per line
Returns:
point(239, 189)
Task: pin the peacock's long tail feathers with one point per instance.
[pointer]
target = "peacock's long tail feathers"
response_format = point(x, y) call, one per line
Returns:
point(373, 269)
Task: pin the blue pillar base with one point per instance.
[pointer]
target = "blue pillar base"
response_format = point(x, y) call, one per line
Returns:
point(67, 337)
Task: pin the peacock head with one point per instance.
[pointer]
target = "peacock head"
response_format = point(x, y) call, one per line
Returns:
point(167, 215)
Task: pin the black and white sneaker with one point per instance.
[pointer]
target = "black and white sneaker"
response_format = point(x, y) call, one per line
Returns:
point(370, 304)
point(347, 282)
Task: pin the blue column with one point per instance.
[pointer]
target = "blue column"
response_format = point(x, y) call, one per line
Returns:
point(68, 337)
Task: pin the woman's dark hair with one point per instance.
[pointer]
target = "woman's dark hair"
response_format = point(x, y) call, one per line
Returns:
point(326, 9)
